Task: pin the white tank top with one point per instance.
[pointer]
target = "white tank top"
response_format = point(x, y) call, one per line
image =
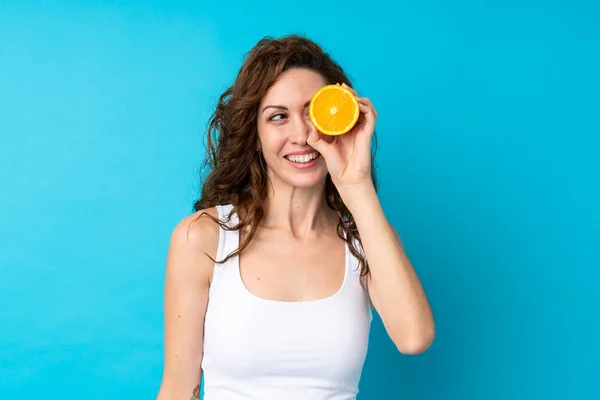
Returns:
point(264, 349)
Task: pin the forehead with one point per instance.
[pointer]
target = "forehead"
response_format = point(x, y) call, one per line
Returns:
point(295, 86)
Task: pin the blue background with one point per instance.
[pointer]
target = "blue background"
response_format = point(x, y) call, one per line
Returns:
point(488, 162)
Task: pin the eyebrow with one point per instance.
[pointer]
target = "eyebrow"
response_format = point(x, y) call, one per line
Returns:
point(283, 107)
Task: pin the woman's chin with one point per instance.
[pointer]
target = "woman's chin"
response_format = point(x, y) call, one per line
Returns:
point(302, 178)
point(307, 181)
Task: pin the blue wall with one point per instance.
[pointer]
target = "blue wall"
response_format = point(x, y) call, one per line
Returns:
point(489, 138)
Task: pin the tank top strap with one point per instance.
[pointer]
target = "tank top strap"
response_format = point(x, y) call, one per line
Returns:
point(354, 263)
point(228, 239)
point(355, 270)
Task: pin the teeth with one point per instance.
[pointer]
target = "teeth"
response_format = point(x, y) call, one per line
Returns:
point(303, 158)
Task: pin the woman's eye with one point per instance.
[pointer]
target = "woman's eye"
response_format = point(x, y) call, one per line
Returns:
point(277, 117)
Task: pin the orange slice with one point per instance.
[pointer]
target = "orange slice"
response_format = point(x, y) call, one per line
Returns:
point(333, 110)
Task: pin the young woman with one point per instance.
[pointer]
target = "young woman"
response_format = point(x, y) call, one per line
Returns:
point(270, 284)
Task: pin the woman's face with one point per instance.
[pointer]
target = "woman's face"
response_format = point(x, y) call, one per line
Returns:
point(284, 127)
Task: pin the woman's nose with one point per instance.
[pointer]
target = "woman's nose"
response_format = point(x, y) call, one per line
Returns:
point(302, 130)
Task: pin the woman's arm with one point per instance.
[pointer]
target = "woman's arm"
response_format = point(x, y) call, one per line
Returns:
point(394, 287)
point(188, 273)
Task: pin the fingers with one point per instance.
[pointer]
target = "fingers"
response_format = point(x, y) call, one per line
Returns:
point(370, 116)
point(366, 101)
point(362, 100)
point(315, 141)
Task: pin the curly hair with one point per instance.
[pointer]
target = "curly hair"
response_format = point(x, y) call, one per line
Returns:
point(232, 172)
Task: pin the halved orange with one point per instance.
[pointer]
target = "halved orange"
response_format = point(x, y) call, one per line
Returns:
point(333, 110)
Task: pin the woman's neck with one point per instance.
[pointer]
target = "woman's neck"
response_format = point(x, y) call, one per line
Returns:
point(302, 212)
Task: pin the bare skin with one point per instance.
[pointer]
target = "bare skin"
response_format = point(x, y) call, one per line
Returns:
point(279, 266)
point(276, 266)
point(290, 258)
point(188, 275)
point(296, 254)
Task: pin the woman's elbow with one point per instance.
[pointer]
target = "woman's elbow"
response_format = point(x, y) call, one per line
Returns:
point(418, 343)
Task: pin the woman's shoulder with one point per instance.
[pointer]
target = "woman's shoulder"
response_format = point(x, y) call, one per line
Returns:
point(197, 233)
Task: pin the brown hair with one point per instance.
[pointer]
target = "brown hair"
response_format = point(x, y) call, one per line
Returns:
point(237, 175)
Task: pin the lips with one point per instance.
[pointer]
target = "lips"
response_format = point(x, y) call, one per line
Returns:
point(302, 158)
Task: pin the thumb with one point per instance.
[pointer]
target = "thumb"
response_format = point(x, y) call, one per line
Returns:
point(315, 141)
